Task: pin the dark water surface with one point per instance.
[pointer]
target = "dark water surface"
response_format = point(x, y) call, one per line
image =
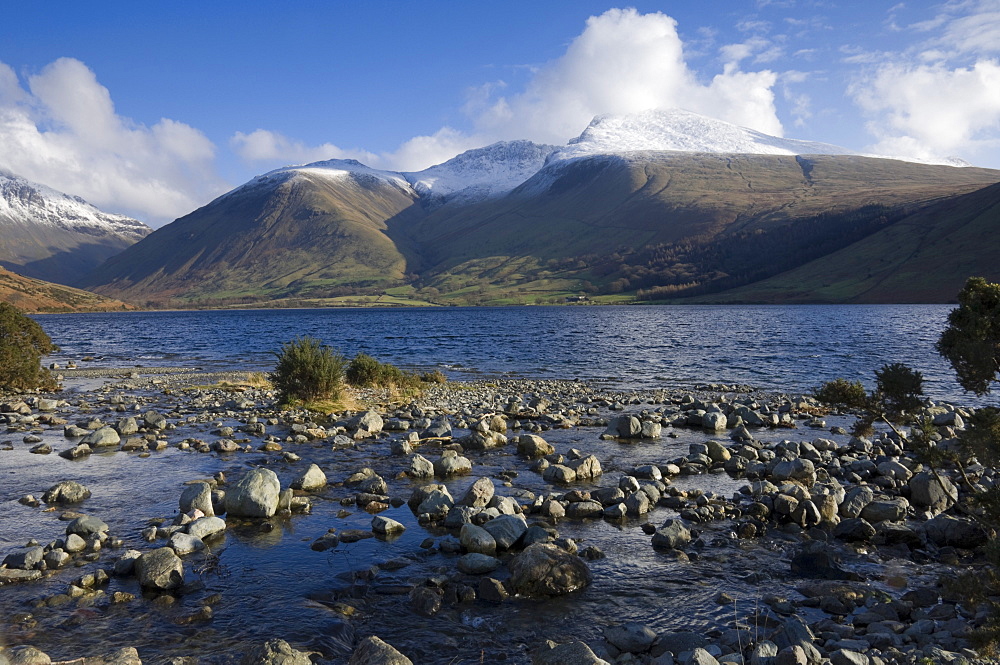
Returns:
point(784, 348)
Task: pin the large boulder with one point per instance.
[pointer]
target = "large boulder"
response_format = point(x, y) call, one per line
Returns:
point(624, 427)
point(571, 653)
point(103, 438)
point(206, 527)
point(479, 494)
point(945, 530)
point(674, 534)
point(160, 569)
point(936, 493)
point(86, 525)
point(506, 530)
point(369, 421)
point(533, 446)
point(311, 479)
point(546, 570)
point(254, 495)
point(373, 651)
point(68, 491)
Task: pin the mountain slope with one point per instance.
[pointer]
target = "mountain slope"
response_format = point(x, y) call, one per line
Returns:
point(53, 236)
point(309, 231)
point(923, 258)
point(34, 295)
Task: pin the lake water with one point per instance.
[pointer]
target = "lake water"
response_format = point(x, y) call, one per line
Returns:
point(787, 348)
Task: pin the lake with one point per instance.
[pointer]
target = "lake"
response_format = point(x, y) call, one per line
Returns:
point(787, 348)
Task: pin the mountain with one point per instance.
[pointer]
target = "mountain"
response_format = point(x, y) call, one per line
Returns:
point(34, 295)
point(57, 237)
point(658, 204)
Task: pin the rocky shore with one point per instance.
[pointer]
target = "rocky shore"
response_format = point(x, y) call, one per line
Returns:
point(530, 500)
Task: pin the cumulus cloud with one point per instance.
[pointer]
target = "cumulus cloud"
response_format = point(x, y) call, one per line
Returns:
point(622, 62)
point(266, 146)
point(915, 109)
point(63, 131)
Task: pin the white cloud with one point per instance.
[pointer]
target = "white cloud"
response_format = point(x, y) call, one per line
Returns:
point(63, 131)
point(266, 146)
point(933, 111)
point(622, 62)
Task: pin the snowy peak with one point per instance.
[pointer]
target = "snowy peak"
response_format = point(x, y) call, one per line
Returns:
point(482, 173)
point(675, 130)
point(26, 203)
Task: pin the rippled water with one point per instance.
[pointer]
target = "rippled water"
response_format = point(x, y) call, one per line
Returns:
point(792, 348)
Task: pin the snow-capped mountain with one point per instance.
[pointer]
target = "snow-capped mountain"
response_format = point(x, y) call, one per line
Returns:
point(482, 173)
point(23, 202)
point(53, 236)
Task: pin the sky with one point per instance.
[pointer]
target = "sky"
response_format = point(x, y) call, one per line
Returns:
point(153, 109)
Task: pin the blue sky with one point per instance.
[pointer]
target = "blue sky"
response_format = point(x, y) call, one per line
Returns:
point(152, 109)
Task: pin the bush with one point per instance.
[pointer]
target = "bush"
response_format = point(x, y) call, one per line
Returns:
point(843, 393)
point(435, 376)
point(22, 345)
point(898, 389)
point(367, 372)
point(971, 342)
point(307, 371)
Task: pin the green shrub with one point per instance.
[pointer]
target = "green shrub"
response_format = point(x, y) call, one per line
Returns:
point(842, 392)
point(435, 376)
point(367, 372)
point(898, 389)
point(22, 345)
point(307, 371)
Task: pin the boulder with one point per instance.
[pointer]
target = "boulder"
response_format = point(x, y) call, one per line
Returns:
point(506, 530)
point(624, 427)
point(311, 479)
point(160, 569)
point(477, 539)
point(452, 464)
point(25, 560)
point(928, 492)
point(882, 510)
point(206, 527)
point(154, 420)
point(86, 525)
point(855, 501)
point(68, 491)
point(421, 467)
point(630, 637)
point(674, 534)
point(24, 655)
point(532, 446)
point(945, 530)
point(714, 421)
point(479, 494)
point(386, 526)
point(546, 570)
point(475, 563)
point(571, 653)
point(254, 495)
point(102, 438)
point(373, 651)
point(184, 543)
point(369, 421)
point(197, 496)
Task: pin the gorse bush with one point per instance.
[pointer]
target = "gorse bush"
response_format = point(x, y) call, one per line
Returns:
point(22, 345)
point(367, 372)
point(307, 371)
point(842, 392)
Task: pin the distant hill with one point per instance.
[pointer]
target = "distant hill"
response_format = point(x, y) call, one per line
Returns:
point(34, 295)
point(660, 205)
point(57, 237)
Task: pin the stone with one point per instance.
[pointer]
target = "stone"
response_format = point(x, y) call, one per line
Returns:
point(160, 569)
point(855, 501)
point(882, 510)
point(197, 496)
point(421, 467)
point(559, 473)
point(75, 543)
point(546, 570)
point(373, 651)
point(68, 491)
point(475, 563)
point(477, 539)
point(714, 421)
point(386, 526)
point(125, 565)
point(435, 501)
point(674, 534)
point(945, 530)
point(309, 480)
point(854, 529)
point(77, 451)
point(24, 655)
point(570, 653)
point(25, 560)
point(532, 446)
point(506, 530)
point(587, 468)
point(184, 543)
point(275, 652)
point(631, 637)
point(451, 464)
point(102, 438)
point(154, 420)
point(206, 527)
point(848, 657)
point(624, 427)
point(127, 426)
point(700, 656)
point(928, 492)
point(86, 525)
point(479, 494)
point(254, 495)
point(369, 421)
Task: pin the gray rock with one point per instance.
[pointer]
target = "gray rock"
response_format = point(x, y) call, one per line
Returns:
point(559, 473)
point(532, 446)
point(546, 570)
point(714, 421)
point(855, 501)
point(254, 495)
point(86, 525)
point(927, 491)
point(506, 529)
point(24, 655)
point(624, 427)
point(68, 491)
point(309, 480)
point(74, 543)
point(102, 438)
point(184, 543)
point(197, 496)
point(854, 529)
point(127, 426)
point(385, 526)
point(700, 657)
point(77, 451)
point(881, 510)
point(683, 640)
point(571, 653)
point(452, 464)
point(847, 657)
point(632, 637)
point(945, 530)
point(674, 534)
point(475, 563)
point(206, 527)
point(479, 494)
point(477, 539)
point(26, 559)
point(275, 652)
point(587, 468)
point(125, 565)
point(160, 569)
point(421, 467)
point(373, 651)
point(436, 501)
point(369, 421)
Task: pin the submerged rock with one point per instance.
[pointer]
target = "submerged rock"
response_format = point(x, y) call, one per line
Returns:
point(547, 570)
